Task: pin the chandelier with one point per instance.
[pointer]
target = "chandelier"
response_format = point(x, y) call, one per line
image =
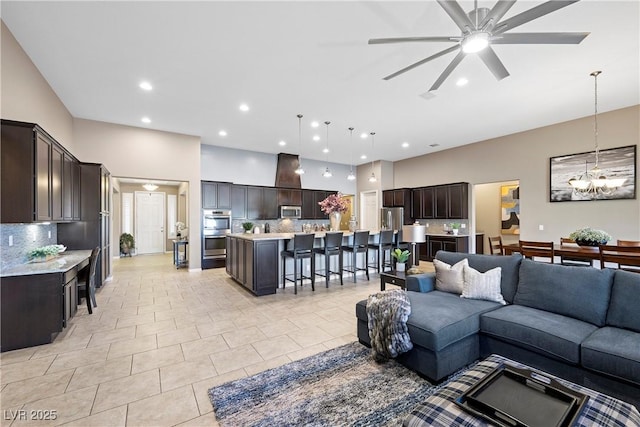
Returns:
point(592, 183)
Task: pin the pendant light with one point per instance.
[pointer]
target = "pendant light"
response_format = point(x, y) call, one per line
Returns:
point(327, 172)
point(372, 178)
point(351, 175)
point(592, 183)
point(150, 187)
point(299, 170)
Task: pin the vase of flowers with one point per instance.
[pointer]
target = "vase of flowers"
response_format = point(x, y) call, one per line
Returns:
point(334, 206)
point(180, 226)
point(590, 237)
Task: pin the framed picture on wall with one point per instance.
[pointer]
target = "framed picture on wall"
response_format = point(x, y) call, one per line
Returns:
point(510, 209)
point(617, 164)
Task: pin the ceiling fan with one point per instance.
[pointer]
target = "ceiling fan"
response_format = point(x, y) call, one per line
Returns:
point(481, 28)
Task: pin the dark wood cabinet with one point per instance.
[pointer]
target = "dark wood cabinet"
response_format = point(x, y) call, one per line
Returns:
point(441, 202)
point(238, 201)
point(387, 199)
point(270, 209)
point(320, 196)
point(254, 202)
point(428, 202)
point(253, 264)
point(216, 195)
point(445, 243)
point(36, 184)
point(416, 203)
point(308, 204)
point(398, 198)
point(289, 197)
point(458, 200)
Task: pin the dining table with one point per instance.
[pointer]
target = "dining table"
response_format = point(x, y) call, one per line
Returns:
point(587, 253)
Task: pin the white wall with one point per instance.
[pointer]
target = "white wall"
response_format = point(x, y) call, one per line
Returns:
point(253, 168)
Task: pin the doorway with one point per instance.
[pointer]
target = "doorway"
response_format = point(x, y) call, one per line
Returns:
point(369, 210)
point(149, 227)
point(497, 211)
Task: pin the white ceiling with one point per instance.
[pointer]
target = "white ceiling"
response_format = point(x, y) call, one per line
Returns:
point(284, 58)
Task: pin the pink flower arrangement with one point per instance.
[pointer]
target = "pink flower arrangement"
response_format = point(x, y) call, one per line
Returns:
point(334, 203)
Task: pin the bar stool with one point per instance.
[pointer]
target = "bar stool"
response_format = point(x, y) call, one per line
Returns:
point(360, 245)
point(302, 249)
point(332, 246)
point(384, 244)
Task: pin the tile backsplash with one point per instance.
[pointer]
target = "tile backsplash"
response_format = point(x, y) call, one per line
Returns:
point(26, 237)
point(279, 225)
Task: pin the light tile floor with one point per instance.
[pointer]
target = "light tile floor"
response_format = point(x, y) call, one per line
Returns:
point(161, 337)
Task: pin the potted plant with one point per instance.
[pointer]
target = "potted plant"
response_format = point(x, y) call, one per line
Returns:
point(248, 226)
point(44, 253)
point(590, 237)
point(401, 256)
point(127, 243)
point(455, 227)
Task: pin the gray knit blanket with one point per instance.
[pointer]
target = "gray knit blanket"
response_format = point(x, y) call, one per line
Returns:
point(387, 314)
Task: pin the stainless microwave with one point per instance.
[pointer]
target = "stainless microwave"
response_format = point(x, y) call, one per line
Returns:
point(290, 212)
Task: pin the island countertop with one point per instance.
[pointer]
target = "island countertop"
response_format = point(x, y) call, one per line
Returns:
point(60, 264)
point(287, 236)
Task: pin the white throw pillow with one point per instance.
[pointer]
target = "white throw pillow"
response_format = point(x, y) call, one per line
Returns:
point(485, 286)
point(450, 278)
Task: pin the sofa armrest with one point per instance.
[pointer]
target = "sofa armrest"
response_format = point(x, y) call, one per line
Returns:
point(425, 282)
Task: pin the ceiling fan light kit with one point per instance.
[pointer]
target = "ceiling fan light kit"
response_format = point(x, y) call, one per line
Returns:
point(480, 29)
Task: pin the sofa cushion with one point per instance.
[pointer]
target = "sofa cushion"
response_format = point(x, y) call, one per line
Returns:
point(450, 278)
point(581, 293)
point(549, 334)
point(424, 282)
point(439, 319)
point(613, 351)
point(623, 308)
point(510, 266)
point(485, 286)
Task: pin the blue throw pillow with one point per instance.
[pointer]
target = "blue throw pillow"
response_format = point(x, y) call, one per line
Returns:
point(579, 292)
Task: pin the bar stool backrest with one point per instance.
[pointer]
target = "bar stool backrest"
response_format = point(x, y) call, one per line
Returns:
point(386, 237)
point(303, 242)
point(360, 238)
point(333, 240)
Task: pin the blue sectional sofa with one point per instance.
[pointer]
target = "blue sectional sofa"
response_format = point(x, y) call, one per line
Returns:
point(579, 323)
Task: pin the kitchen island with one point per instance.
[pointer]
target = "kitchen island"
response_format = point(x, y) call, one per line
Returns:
point(253, 260)
point(39, 299)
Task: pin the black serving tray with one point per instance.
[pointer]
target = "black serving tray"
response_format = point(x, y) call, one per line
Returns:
point(514, 397)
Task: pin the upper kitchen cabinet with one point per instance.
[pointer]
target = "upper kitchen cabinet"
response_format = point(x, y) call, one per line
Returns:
point(262, 203)
point(216, 195)
point(39, 178)
point(398, 198)
point(239, 201)
point(458, 200)
point(448, 201)
point(289, 197)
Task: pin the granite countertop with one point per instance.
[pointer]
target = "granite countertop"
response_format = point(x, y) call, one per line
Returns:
point(60, 264)
point(452, 235)
point(286, 236)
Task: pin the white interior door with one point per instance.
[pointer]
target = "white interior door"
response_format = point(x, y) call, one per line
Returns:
point(149, 223)
point(369, 210)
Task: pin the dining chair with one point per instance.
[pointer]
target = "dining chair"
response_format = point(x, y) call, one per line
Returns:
point(625, 257)
point(532, 250)
point(573, 260)
point(87, 284)
point(495, 245)
point(628, 242)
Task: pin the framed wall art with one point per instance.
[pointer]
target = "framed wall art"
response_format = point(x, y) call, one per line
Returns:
point(617, 166)
point(510, 209)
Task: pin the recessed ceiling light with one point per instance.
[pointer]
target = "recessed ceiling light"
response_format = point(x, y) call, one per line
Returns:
point(316, 138)
point(364, 135)
point(405, 144)
point(315, 124)
point(145, 86)
point(325, 150)
point(222, 133)
point(364, 156)
point(282, 143)
point(462, 81)
point(244, 107)
point(146, 120)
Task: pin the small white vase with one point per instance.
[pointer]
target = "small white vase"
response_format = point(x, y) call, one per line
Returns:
point(334, 221)
point(400, 266)
point(455, 231)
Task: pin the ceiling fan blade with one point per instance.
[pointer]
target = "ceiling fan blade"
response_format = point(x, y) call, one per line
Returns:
point(422, 61)
point(458, 15)
point(496, 14)
point(491, 60)
point(539, 38)
point(459, 57)
point(531, 14)
point(413, 39)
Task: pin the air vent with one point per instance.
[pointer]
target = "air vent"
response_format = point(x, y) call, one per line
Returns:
point(434, 145)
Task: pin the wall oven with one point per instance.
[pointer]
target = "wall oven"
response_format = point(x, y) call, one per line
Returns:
point(216, 224)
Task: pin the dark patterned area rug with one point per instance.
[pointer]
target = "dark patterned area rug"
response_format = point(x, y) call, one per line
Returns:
point(340, 387)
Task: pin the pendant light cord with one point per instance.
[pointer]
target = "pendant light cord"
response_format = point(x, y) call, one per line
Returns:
point(351, 148)
point(595, 114)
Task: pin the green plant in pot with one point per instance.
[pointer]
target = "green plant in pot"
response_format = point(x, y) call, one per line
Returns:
point(248, 226)
point(401, 256)
point(455, 226)
point(590, 237)
point(127, 244)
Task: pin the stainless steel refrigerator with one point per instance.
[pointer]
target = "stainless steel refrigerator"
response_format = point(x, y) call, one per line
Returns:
point(391, 218)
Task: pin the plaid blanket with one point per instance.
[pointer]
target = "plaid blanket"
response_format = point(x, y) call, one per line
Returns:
point(439, 410)
point(387, 314)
